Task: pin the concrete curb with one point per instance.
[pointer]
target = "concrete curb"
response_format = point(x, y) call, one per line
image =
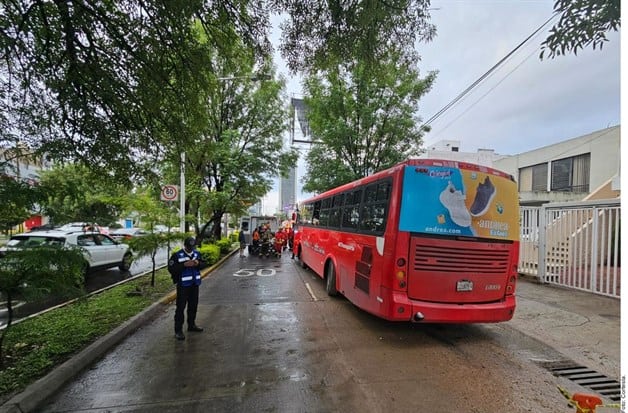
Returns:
point(35, 394)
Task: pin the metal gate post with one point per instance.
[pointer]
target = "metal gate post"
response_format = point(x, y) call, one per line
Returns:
point(542, 268)
point(594, 251)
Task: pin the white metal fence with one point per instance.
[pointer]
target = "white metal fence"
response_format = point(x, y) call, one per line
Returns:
point(573, 244)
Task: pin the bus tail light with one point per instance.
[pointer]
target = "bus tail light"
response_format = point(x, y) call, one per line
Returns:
point(401, 273)
point(512, 282)
point(401, 278)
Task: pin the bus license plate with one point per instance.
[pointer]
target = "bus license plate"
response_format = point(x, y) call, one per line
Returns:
point(464, 285)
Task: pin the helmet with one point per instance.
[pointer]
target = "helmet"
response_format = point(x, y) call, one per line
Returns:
point(189, 243)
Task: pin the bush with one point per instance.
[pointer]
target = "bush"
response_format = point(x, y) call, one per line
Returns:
point(210, 253)
point(225, 245)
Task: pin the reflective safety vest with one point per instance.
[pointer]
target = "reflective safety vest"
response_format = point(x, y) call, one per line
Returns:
point(190, 275)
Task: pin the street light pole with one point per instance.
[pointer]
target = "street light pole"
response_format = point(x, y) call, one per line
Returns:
point(182, 205)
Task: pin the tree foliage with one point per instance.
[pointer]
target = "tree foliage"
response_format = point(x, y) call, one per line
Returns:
point(125, 86)
point(78, 77)
point(38, 272)
point(363, 117)
point(319, 33)
point(582, 23)
point(19, 199)
point(240, 149)
point(75, 193)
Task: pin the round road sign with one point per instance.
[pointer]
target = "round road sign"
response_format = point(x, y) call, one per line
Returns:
point(169, 193)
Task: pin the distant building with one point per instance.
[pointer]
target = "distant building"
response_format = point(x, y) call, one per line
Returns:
point(450, 150)
point(22, 165)
point(288, 192)
point(577, 169)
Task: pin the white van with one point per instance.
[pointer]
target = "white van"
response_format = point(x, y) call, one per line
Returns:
point(249, 223)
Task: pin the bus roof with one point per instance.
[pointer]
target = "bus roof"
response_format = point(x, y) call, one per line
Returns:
point(413, 162)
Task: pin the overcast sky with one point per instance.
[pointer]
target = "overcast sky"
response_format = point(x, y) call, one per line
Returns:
point(526, 103)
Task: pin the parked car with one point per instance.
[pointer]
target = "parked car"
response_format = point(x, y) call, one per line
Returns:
point(83, 226)
point(122, 234)
point(100, 250)
point(45, 227)
point(160, 228)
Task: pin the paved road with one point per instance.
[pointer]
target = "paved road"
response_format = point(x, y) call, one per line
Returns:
point(275, 342)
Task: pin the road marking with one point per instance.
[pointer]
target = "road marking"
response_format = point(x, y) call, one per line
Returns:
point(309, 289)
point(261, 272)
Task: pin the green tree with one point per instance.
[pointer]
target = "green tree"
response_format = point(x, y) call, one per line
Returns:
point(582, 23)
point(151, 211)
point(148, 245)
point(79, 76)
point(38, 272)
point(75, 193)
point(317, 33)
point(19, 200)
point(363, 118)
point(240, 148)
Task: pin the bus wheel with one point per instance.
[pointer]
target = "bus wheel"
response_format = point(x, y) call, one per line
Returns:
point(331, 280)
point(303, 264)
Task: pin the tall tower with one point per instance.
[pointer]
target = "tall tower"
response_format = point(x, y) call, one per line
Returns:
point(288, 192)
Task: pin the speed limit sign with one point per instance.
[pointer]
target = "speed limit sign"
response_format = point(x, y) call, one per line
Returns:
point(169, 193)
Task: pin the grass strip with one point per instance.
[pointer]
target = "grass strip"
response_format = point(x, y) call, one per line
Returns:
point(37, 345)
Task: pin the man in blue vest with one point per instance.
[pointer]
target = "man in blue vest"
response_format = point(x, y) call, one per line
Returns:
point(187, 287)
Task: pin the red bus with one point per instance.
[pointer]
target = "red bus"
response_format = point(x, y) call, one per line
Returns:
point(427, 240)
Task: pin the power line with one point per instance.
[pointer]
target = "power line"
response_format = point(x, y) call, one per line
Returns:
point(485, 75)
point(441, 130)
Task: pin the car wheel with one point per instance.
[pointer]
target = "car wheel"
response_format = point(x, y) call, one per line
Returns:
point(127, 260)
point(331, 280)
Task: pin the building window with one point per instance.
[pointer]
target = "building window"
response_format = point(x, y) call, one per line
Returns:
point(571, 174)
point(539, 177)
point(533, 178)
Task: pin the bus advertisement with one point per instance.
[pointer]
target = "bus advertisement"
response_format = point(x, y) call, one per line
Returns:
point(427, 240)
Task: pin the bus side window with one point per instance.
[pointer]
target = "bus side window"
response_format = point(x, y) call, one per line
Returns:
point(374, 208)
point(316, 213)
point(305, 217)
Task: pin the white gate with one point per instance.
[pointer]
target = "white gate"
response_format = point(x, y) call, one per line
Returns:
point(573, 244)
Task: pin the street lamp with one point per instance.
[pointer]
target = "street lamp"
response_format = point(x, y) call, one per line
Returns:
point(254, 78)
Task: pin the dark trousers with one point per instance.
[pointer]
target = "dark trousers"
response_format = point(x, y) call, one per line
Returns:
point(185, 296)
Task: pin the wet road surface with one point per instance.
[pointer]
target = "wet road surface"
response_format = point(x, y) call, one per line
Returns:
point(275, 342)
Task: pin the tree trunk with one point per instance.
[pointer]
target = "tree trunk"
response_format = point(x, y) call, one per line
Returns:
point(6, 329)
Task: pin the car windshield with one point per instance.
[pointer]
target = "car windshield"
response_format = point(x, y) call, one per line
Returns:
point(34, 241)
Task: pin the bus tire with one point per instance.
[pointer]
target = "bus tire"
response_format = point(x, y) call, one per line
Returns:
point(303, 264)
point(330, 278)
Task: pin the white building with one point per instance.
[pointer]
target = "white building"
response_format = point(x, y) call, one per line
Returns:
point(450, 149)
point(577, 169)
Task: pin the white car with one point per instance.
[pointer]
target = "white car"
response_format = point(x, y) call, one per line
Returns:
point(100, 250)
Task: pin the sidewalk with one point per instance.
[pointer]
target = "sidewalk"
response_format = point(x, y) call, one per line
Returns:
point(584, 327)
point(581, 326)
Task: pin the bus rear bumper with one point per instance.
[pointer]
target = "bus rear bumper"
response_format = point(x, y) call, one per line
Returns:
point(428, 312)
